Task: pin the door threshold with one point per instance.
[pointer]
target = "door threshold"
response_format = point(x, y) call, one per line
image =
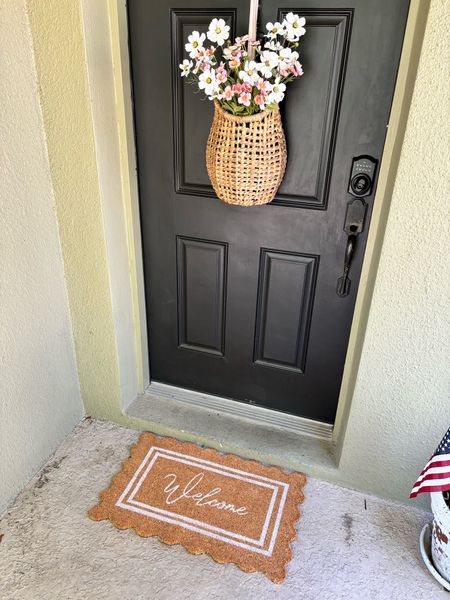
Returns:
point(251, 433)
point(301, 425)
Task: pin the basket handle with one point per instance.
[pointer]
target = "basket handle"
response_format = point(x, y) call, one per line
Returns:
point(252, 20)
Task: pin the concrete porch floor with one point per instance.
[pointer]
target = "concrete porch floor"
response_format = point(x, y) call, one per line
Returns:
point(349, 546)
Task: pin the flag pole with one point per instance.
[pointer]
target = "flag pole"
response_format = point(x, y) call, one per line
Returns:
point(252, 20)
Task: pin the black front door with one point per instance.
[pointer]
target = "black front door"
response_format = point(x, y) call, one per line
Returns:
point(242, 302)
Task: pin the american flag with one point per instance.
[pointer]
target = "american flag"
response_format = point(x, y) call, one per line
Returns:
point(436, 475)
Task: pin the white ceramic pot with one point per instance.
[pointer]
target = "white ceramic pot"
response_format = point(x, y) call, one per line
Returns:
point(440, 538)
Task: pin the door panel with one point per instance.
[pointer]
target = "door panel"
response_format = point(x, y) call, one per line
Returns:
point(191, 176)
point(283, 320)
point(201, 269)
point(311, 109)
point(242, 301)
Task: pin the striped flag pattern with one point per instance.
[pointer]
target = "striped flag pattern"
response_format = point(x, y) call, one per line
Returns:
point(436, 475)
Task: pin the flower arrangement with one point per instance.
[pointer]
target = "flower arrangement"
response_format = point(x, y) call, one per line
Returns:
point(248, 76)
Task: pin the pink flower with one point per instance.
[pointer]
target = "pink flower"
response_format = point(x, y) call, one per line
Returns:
point(240, 41)
point(221, 75)
point(199, 66)
point(239, 53)
point(245, 99)
point(228, 93)
point(203, 59)
point(259, 101)
point(298, 69)
point(234, 63)
point(263, 86)
point(237, 88)
point(246, 87)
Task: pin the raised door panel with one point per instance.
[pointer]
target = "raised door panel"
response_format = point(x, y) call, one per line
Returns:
point(311, 108)
point(192, 114)
point(310, 112)
point(201, 275)
point(285, 301)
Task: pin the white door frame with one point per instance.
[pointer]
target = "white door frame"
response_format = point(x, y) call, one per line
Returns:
point(107, 55)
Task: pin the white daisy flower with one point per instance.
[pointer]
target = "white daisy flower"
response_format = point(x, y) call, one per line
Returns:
point(215, 93)
point(282, 63)
point(277, 92)
point(268, 61)
point(195, 42)
point(272, 45)
point(207, 81)
point(186, 67)
point(274, 29)
point(294, 26)
point(218, 31)
point(227, 53)
point(288, 55)
point(250, 72)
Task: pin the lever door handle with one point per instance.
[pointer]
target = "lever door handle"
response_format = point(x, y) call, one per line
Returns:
point(343, 283)
point(353, 226)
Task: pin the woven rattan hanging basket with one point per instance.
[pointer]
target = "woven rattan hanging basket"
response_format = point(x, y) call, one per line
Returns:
point(246, 156)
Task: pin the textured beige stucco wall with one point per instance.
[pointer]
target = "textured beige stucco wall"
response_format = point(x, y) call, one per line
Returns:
point(401, 404)
point(60, 56)
point(61, 66)
point(39, 393)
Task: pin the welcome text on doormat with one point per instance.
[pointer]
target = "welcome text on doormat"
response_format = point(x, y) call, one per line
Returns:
point(232, 509)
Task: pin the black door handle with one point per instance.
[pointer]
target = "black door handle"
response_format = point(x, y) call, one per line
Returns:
point(353, 226)
point(343, 283)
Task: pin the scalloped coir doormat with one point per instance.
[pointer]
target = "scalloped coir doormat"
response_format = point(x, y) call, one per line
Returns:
point(237, 511)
